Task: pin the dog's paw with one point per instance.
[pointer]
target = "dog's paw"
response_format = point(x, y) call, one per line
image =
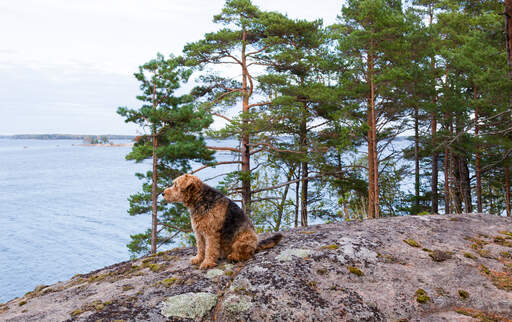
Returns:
point(196, 260)
point(233, 258)
point(206, 265)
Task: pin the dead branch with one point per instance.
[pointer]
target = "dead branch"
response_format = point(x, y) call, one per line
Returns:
point(273, 148)
point(174, 227)
point(260, 104)
point(222, 116)
point(257, 51)
point(215, 164)
point(222, 148)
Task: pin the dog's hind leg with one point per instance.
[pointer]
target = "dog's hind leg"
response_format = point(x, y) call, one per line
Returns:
point(244, 246)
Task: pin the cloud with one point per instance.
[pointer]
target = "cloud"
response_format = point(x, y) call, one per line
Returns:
point(68, 64)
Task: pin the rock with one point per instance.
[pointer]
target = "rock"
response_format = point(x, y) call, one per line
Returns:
point(428, 268)
point(188, 305)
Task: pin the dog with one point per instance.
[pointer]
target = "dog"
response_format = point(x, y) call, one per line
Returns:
point(221, 228)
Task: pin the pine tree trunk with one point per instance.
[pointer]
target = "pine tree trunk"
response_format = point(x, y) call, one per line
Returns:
point(154, 187)
point(435, 168)
point(507, 190)
point(305, 172)
point(508, 31)
point(446, 169)
point(304, 197)
point(373, 163)
point(297, 200)
point(371, 176)
point(477, 156)
point(282, 203)
point(154, 195)
point(245, 151)
point(416, 161)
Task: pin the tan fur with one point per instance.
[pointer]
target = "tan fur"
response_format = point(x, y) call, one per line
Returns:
point(207, 223)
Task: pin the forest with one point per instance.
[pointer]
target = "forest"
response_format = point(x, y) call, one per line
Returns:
point(399, 108)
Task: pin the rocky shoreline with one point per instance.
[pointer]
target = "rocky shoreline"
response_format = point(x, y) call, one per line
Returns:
point(416, 268)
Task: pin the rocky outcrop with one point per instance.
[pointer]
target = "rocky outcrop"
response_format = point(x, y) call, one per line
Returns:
point(418, 268)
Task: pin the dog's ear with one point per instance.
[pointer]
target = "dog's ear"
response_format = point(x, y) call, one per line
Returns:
point(192, 184)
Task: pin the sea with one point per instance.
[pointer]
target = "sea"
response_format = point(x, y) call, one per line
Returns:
point(63, 210)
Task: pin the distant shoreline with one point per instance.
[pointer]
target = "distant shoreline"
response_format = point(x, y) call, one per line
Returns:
point(65, 136)
point(106, 144)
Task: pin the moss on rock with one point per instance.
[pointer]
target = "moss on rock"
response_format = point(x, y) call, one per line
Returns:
point(354, 270)
point(463, 294)
point(411, 242)
point(439, 255)
point(188, 305)
point(422, 296)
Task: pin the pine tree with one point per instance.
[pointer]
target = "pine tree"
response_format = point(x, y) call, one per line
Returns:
point(249, 34)
point(173, 127)
point(372, 43)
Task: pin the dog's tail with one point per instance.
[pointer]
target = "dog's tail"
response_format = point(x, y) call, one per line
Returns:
point(269, 242)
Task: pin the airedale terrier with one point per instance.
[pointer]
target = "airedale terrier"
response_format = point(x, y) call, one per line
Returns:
point(221, 228)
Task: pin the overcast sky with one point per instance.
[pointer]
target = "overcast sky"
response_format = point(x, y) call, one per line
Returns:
point(66, 65)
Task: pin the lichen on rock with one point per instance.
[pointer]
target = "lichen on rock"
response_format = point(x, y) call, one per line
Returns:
point(214, 273)
point(236, 304)
point(287, 254)
point(188, 305)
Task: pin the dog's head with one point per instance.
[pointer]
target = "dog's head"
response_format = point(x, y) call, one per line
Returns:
point(183, 188)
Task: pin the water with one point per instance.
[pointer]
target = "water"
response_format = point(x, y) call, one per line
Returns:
point(62, 211)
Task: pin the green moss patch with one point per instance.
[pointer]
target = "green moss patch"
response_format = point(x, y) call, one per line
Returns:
point(440, 256)
point(354, 270)
point(506, 254)
point(422, 296)
point(21, 303)
point(128, 287)
point(485, 253)
point(322, 271)
point(469, 255)
point(331, 247)
point(168, 282)
point(77, 312)
point(463, 294)
point(507, 233)
point(481, 315)
point(502, 241)
point(411, 242)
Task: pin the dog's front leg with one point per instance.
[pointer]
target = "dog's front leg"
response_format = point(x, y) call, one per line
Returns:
point(198, 259)
point(212, 251)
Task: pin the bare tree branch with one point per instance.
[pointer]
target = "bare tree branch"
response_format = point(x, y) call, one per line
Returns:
point(222, 116)
point(260, 104)
point(222, 148)
point(257, 51)
point(215, 164)
point(174, 227)
point(273, 148)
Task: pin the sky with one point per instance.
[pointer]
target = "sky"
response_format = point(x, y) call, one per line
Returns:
point(67, 65)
